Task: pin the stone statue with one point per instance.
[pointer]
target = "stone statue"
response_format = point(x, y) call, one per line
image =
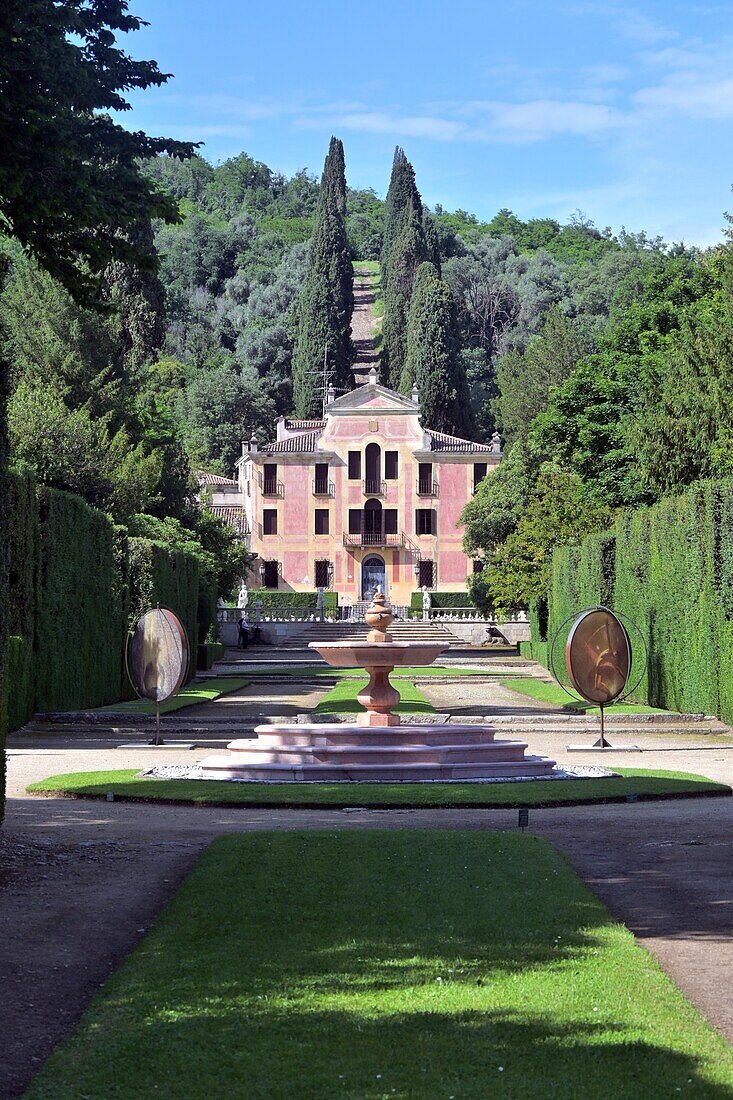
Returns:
point(320, 603)
point(425, 603)
point(495, 444)
point(221, 610)
point(258, 609)
point(243, 597)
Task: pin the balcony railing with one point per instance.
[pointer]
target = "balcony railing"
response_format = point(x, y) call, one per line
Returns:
point(270, 487)
point(322, 487)
point(369, 536)
point(373, 487)
point(426, 487)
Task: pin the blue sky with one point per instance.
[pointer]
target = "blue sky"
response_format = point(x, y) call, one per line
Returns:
point(622, 111)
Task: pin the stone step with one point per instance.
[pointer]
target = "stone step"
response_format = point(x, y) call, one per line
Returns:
point(260, 752)
point(352, 734)
point(227, 767)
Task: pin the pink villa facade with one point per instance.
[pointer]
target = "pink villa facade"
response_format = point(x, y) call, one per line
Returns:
point(365, 496)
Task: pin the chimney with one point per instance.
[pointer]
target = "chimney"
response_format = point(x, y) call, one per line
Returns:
point(373, 376)
point(253, 443)
point(330, 394)
point(415, 394)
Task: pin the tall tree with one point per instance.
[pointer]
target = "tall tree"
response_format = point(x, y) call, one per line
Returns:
point(432, 362)
point(408, 253)
point(402, 197)
point(69, 175)
point(326, 299)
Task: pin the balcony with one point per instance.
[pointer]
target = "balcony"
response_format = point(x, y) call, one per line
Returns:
point(270, 487)
point(322, 487)
point(370, 536)
point(373, 487)
point(426, 487)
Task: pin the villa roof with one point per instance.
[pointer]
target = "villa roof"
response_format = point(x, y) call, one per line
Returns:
point(304, 425)
point(234, 516)
point(439, 441)
point(205, 478)
point(295, 444)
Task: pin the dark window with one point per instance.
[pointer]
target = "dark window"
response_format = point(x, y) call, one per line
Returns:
point(478, 564)
point(270, 575)
point(321, 521)
point(354, 465)
point(427, 574)
point(321, 480)
point(390, 521)
point(354, 521)
point(269, 478)
point(424, 524)
point(390, 465)
point(269, 521)
point(479, 473)
point(322, 574)
point(425, 477)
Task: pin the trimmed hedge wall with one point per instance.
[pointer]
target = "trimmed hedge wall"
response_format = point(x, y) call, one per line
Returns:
point(76, 583)
point(441, 599)
point(669, 568)
point(277, 600)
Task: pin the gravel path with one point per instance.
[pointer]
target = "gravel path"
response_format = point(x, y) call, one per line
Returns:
point(80, 882)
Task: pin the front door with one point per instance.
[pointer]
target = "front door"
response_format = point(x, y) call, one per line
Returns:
point(373, 576)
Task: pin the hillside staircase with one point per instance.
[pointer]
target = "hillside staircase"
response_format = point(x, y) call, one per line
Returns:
point(408, 631)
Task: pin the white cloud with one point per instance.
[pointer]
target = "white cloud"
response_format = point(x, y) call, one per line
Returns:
point(685, 94)
point(379, 122)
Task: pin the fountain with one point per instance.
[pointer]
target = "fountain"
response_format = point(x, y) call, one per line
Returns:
point(377, 746)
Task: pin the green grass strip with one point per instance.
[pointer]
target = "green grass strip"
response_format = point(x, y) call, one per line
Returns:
point(409, 964)
point(341, 699)
point(204, 692)
point(553, 693)
point(634, 783)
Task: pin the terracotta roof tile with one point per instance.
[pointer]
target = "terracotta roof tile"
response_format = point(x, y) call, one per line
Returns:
point(439, 441)
point(215, 479)
point(304, 425)
point(296, 444)
point(232, 515)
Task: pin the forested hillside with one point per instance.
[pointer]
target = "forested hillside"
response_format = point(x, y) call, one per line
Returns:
point(601, 359)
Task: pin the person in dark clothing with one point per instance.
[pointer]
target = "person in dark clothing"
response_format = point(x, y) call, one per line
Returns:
point(243, 634)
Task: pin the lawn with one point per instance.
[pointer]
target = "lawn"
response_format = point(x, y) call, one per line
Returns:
point(408, 964)
point(553, 693)
point(341, 699)
point(204, 692)
point(633, 784)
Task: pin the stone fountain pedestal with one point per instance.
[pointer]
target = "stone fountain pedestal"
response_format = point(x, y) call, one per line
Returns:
point(377, 747)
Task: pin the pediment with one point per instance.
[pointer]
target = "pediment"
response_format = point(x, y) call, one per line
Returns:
point(372, 398)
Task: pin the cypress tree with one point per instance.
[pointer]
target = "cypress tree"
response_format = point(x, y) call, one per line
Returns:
point(408, 253)
point(327, 297)
point(402, 195)
point(432, 361)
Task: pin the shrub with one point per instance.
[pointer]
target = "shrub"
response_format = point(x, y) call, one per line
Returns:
point(441, 599)
point(208, 653)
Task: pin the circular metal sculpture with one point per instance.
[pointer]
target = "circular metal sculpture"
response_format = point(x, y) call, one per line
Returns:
point(598, 656)
point(157, 658)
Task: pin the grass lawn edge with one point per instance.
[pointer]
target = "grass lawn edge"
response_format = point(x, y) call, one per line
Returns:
point(361, 795)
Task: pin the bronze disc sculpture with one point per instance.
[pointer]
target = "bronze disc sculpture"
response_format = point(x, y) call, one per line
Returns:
point(157, 658)
point(599, 659)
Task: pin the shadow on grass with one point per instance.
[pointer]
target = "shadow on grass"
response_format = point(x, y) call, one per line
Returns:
point(410, 964)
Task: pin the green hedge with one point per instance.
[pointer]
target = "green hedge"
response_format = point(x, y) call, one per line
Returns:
point(669, 568)
point(441, 599)
point(275, 599)
point(18, 684)
point(208, 653)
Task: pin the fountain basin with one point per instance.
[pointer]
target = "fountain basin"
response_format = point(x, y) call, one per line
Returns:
point(368, 655)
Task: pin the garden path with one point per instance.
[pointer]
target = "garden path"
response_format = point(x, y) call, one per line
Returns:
point(362, 325)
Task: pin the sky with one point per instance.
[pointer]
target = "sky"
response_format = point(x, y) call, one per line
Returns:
point(624, 112)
